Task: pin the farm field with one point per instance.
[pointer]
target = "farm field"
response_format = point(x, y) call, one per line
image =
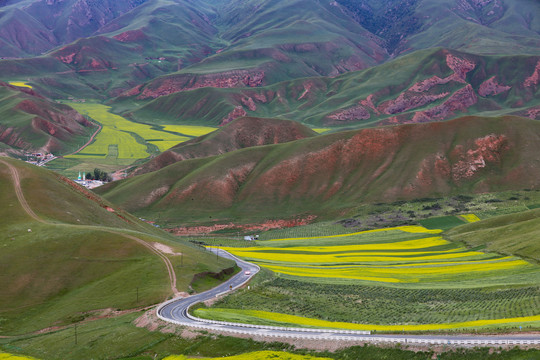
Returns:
point(409, 256)
point(123, 133)
point(122, 142)
point(406, 278)
point(20, 84)
point(258, 355)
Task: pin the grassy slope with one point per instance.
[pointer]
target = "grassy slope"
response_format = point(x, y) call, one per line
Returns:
point(312, 100)
point(19, 108)
point(241, 133)
point(73, 263)
point(515, 234)
point(331, 173)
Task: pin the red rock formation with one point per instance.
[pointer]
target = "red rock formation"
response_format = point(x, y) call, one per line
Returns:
point(368, 102)
point(408, 100)
point(533, 113)
point(264, 226)
point(231, 79)
point(348, 115)
point(427, 84)
point(460, 67)
point(485, 151)
point(492, 87)
point(459, 101)
point(238, 112)
point(534, 79)
point(247, 101)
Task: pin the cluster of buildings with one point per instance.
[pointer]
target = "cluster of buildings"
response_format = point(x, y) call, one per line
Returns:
point(38, 158)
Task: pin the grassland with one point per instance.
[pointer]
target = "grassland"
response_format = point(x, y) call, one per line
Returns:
point(79, 257)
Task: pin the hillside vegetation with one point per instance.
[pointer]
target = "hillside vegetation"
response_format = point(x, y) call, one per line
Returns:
point(241, 133)
point(515, 234)
point(331, 174)
point(31, 123)
point(68, 255)
point(427, 85)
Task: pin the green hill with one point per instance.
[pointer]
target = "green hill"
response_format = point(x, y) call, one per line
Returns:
point(241, 133)
point(514, 234)
point(427, 85)
point(328, 175)
point(31, 123)
point(68, 255)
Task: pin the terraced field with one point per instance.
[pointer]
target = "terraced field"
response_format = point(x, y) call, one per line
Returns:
point(409, 256)
point(406, 278)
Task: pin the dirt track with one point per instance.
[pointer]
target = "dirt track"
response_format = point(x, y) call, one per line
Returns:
point(22, 200)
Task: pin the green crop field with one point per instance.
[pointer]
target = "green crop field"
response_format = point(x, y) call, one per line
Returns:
point(406, 278)
point(118, 130)
point(122, 142)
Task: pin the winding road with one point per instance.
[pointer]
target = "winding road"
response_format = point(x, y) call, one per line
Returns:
point(177, 311)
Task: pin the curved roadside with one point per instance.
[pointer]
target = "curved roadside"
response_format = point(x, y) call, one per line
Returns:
point(89, 141)
point(26, 207)
point(176, 311)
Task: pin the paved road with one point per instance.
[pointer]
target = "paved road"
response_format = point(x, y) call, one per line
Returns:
point(176, 311)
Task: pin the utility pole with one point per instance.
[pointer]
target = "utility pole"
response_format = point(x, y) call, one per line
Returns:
point(182, 260)
point(75, 334)
point(137, 295)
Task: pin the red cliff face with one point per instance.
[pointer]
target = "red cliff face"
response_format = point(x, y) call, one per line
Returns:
point(231, 79)
point(492, 87)
point(238, 112)
point(485, 151)
point(422, 94)
point(352, 114)
point(534, 79)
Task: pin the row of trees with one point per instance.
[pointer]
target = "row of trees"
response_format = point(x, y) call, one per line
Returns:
point(98, 174)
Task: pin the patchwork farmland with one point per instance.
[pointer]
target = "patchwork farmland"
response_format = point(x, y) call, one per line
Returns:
point(121, 139)
point(406, 278)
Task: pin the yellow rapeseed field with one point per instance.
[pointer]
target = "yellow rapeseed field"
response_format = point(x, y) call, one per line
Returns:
point(118, 131)
point(425, 260)
point(470, 218)
point(257, 355)
point(414, 229)
point(6, 356)
point(20, 84)
point(303, 321)
point(189, 130)
point(400, 274)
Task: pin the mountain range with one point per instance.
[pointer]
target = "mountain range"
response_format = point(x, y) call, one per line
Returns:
point(337, 65)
